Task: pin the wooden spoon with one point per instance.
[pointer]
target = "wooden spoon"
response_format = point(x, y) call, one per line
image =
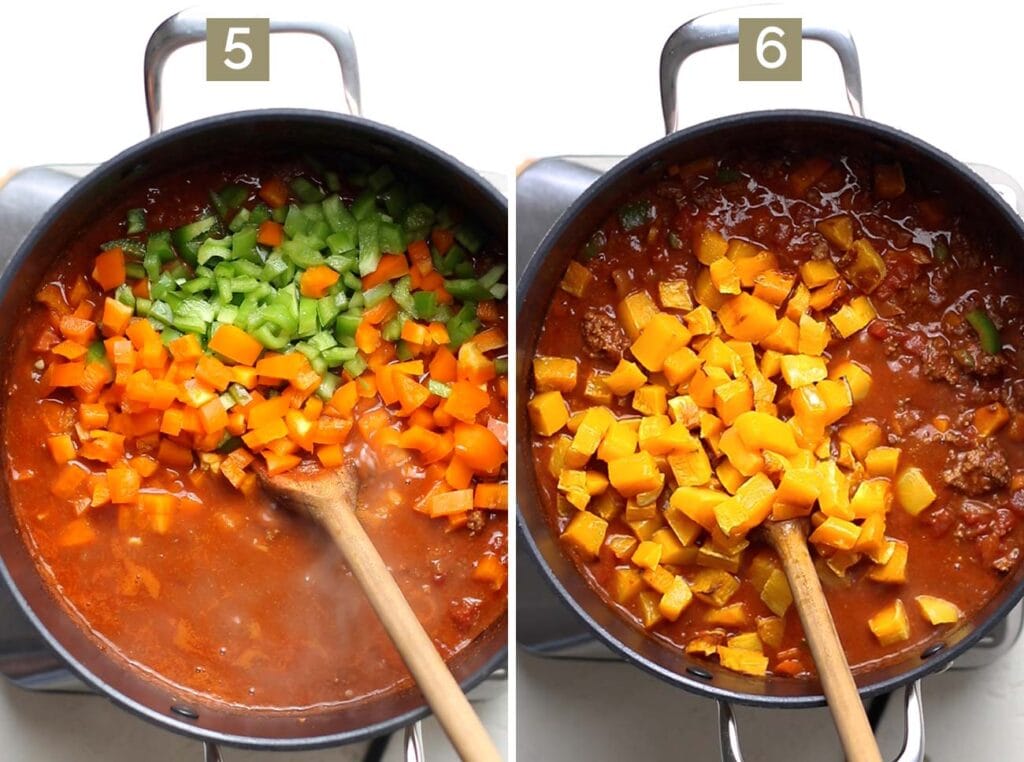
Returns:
point(789, 538)
point(328, 496)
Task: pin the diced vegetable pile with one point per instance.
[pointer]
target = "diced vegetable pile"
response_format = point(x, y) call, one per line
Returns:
point(269, 327)
point(739, 419)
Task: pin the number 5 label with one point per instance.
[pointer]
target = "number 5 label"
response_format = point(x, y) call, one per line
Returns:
point(238, 50)
point(770, 50)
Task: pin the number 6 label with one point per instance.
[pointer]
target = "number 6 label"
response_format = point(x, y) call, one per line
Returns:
point(770, 50)
point(238, 50)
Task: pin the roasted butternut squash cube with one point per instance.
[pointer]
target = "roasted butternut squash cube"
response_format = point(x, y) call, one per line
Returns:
point(872, 496)
point(729, 476)
point(853, 316)
point(673, 552)
point(619, 441)
point(690, 469)
point(773, 286)
point(835, 533)
point(818, 272)
point(661, 336)
point(799, 303)
point(589, 434)
point(760, 431)
point(747, 318)
point(743, 660)
point(659, 579)
point(644, 530)
point(548, 413)
point(893, 571)
point(697, 503)
point(635, 312)
point(647, 555)
point(733, 398)
point(838, 231)
point(890, 625)
point(785, 338)
point(938, 610)
point(824, 297)
point(867, 271)
point(714, 586)
point(703, 383)
point(627, 377)
point(748, 508)
point(801, 370)
point(596, 390)
point(596, 483)
point(585, 532)
point(837, 398)
point(882, 461)
point(648, 497)
point(650, 615)
point(650, 400)
point(576, 279)
point(634, 474)
point(570, 479)
point(709, 245)
point(720, 355)
point(913, 491)
point(626, 585)
point(687, 530)
point(724, 276)
point(748, 357)
point(776, 593)
point(578, 498)
point(733, 615)
point(675, 600)
point(861, 437)
point(771, 630)
point(554, 373)
point(814, 336)
point(675, 295)
point(637, 512)
point(834, 491)
point(682, 409)
point(700, 321)
point(651, 427)
point(857, 377)
point(680, 366)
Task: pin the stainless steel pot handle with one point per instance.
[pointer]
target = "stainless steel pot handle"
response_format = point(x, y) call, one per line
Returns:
point(189, 26)
point(713, 30)
point(913, 734)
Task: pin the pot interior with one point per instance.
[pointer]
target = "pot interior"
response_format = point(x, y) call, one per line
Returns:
point(246, 136)
point(828, 133)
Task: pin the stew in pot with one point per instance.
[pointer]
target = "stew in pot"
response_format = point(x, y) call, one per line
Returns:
point(766, 336)
point(226, 316)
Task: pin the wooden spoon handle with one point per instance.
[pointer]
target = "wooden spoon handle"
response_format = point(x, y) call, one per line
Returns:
point(790, 542)
point(446, 699)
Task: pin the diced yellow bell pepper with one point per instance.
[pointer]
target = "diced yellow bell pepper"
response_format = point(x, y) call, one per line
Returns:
point(596, 390)
point(578, 498)
point(798, 303)
point(748, 268)
point(662, 336)
point(714, 586)
point(703, 383)
point(733, 615)
point(868, 268)
point(771, 363)
point(799, 487)
point(637, 512)
point(724, 276)
point(647, 555)
point(743, 661)
point(627, 377)
point(660, 578)
point(621, 545)
point(809, 415)
point(650, 615)
point(570, 479)
point(882, 461)
point(575, 420)
point(586, 532)
point(675, 295)
point(557, 460)
point(760, 431)
point(773, 286)
point(554, 373)
point(548, 413)
point(680, 366)
point(690, 469)
point(740, 249)
point(893, 571)
point(589, 433)
point(686, 529)
point(650, 400)
point(748, 641)
point(747, 460)
point(732, 399)
point(842, 561)
point(837, 398)
point(814, 336)
point(747, 355)
point(834, 491)
point(697, 503)
point(626, 585)
point(576, 279)
point(607, 505)
point(649, 497)
point(709, 245)
point(644, 530)
point(705, 293)
point(890, 625)
point(634, 474)
point(748, 508)
point(872, 496)
point(716, 353)
point(747, 318)
point(856, 376)
point(818, 272)
point(801, 370)
point(871, 539)
point(938, 610)
point(596, 483)
point(675, 600)
point(785, 338)
point(620, 440)
point(913, 491)
point(838, 231)
point(635, 312)
point(861, 437)
point(702, 646)
point(711, 428)
point(712, 558)
point(771, 630)
point(776, 593)
point(651, 427)
point(700, 321)
point(835, 533)
point(853, 316)
point(682, 409)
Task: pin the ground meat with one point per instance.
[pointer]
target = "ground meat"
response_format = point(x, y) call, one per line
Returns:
point(943, 361)
point(977, 471)
point(602, 335)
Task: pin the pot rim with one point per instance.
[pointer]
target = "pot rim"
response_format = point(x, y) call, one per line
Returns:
point(368, 130)
point(648, 156)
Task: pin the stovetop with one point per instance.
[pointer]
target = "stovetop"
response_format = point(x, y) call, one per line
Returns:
point(545, 626)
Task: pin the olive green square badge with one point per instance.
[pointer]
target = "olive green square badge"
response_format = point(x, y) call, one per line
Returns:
point(771, 50)
point(238, 50)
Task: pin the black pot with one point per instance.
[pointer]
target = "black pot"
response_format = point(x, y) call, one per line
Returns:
point(251, 134)
point(537, 285)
